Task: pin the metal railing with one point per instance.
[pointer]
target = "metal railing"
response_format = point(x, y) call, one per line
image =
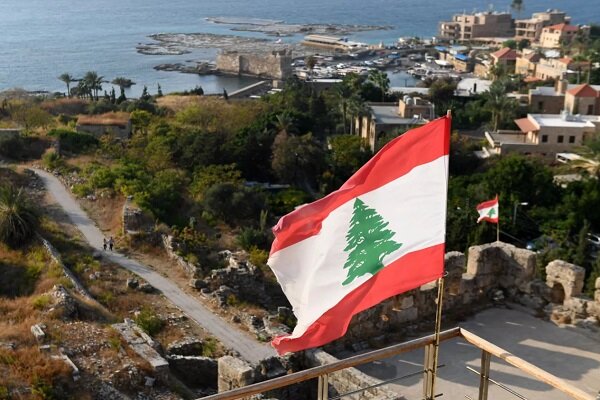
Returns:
point(428, 342)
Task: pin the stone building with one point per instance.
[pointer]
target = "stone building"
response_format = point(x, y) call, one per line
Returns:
point(531, 28)
point(505, 57)
point(117, 124)
point(576, 99)
point(274, 65)
point(392, 119)
point(555, 36)
point(544, 134)
point(477, 25)
point(526, 63)
point(558, 68)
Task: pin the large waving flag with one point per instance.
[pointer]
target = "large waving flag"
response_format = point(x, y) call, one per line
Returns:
point(382, 233)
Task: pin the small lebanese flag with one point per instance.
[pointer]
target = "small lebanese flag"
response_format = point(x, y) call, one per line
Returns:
point(488, 211)
point(382, 233)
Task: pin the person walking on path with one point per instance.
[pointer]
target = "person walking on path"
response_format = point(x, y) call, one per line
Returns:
point(111, 243)
point(104, 243)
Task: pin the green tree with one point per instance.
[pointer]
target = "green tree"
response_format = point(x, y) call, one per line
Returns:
point(206, 177)
point(517, 6)
point(140, 120)
point(523, 44)
point(441, 93)
point(122, 83)
point(29, 116)
point(502, 108)
point(348, 154)
point(368, 242)
point(67, 79)
point(298, 160)
point(381, 80)
point(343, 93)
point(18, 217)
point(511, 44)
point(310, 63)
point(93, 82)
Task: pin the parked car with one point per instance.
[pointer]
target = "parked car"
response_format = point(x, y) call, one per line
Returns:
point(541, 243)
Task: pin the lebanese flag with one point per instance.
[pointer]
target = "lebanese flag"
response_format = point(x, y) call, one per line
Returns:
point(382, 233)
point(488, 211)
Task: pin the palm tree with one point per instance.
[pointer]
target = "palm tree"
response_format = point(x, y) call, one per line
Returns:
point(284, 124)
point(381, 80)
point(517, 6)
point(123, 83)
point(501, 106)
point(94, 82)
point(18, 218)
point(357, 108)
point(67, 79)
point(343, 94)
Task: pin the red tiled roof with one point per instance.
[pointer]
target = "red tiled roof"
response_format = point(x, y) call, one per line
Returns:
point(566, 60)
point(526, 125)
point(533, 57)
point(584, 90)
point(505, 54)
point(563, 27)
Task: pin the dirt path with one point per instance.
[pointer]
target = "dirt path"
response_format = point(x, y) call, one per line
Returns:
point(248, 348)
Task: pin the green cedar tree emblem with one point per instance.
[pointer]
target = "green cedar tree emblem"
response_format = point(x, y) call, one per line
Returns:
point(491, 213)
point(368, 242)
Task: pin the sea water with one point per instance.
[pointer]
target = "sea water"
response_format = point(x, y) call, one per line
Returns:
point(41, 39)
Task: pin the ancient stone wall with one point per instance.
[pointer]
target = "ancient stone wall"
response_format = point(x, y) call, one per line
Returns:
point(135, 220)
point(491, 271)
point(349, 379)
point(275, 65)
point(193, 270)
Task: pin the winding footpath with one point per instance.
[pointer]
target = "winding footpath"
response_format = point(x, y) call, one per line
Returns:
point(231, 337)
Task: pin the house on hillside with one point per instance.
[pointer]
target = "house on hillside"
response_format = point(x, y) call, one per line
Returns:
point(117, 124)
point(531, 28)
point(506, 57)
point(392, 119)
point(544, 134)
point(526, 63)
point(576, 99)
point(555, 36)
point(559, 68)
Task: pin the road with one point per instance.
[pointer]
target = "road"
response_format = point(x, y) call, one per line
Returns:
point(229, 335)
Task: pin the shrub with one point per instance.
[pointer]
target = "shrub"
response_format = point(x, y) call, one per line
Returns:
point(74, 142)
point(12, 147)
point(41, 302)
point(253, 238)
point(82, 189)
point(258, 257)
point(52, 160)
point(209, 347)
point(233, 203)
point(149, 322)
point(18, 218)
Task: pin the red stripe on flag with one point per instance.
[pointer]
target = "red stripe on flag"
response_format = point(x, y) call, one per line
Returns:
point(406, 273)
point(487, 204)
point(488, 219)
point(416, 147)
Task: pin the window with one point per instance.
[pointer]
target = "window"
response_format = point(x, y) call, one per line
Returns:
point(540, 105)
point(561, 138)
point(571, 139)
point(590, 109)
point(544, 138)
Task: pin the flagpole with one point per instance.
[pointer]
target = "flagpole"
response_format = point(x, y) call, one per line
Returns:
point(438, 322)
point(438, 329)
point(498, 223)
